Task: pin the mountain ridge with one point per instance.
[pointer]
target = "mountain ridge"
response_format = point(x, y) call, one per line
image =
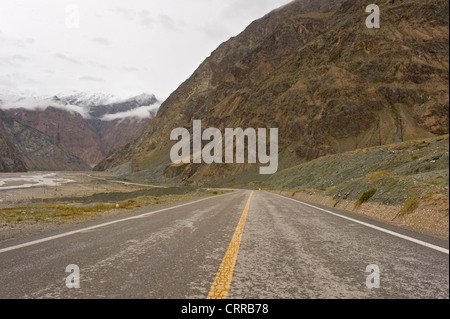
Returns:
point(24, 148)
point(81, 127)
point(330, 84)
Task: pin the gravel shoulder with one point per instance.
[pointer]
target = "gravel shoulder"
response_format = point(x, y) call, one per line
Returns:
point(406, 184)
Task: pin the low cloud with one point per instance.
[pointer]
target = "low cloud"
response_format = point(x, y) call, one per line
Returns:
point(142, 112)
point(32, 104)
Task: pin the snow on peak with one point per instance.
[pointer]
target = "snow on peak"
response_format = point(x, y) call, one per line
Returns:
point(144, 99)
point(40, 104)
point(83, 103)
point(89, 99)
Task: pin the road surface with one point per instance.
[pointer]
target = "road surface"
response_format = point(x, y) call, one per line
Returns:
point(239, 245)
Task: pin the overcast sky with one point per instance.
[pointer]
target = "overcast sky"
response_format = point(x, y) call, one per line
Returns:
point(124, 47)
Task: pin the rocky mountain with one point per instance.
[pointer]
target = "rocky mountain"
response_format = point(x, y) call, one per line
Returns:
point(88, 99)
point(65, 128)
point(118, 124)
point(23, 148)
point(315, 71)
point(82, 124)
point(10, 159)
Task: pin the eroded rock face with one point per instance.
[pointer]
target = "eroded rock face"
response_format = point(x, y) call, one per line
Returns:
point(10, 160)
point(90, 138)
point(313, 70)
point(23, 148)
point(64, 128)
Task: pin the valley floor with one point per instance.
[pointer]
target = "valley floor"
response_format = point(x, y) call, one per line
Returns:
point(36, 202)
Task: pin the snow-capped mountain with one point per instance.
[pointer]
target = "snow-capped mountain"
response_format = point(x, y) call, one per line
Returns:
point(89, 99)
point(144, 99)
point(8, 99)
point(40, 104)
point(90, 125)
point(87, 104)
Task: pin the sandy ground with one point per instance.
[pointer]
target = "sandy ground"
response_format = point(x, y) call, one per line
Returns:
point(30, 181)
point(22, 188)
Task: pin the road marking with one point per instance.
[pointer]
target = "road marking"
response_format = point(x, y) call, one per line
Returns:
point(222, 283)
point(417, 241)
point(102, 225)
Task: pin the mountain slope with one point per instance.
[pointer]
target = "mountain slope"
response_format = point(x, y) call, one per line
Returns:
point(24, 148)
point(64, 128)
point(313, 70)
point(10, 160)
point(77, 122)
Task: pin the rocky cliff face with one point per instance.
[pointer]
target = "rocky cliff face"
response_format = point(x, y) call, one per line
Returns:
point(314, 70)
point(24, 148)
point(10, 160)
point(114, 133)
point(88, 135)
point(68, 129)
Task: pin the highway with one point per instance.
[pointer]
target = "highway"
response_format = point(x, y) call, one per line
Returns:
point(241, 245)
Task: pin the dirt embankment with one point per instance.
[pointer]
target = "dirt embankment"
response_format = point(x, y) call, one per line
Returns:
point(404, 183)
point(430, 217)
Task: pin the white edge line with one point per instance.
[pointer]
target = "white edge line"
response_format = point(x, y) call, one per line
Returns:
point(102, 225)
point(443, 250)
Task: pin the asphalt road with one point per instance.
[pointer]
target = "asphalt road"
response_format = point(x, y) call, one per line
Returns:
point(283, 248)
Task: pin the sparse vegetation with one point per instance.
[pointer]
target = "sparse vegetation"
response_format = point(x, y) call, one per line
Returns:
point(377, 175)
point(388, 169)
point(366, 196)
point(60, 213)
point(421, 145)
point(410, 206)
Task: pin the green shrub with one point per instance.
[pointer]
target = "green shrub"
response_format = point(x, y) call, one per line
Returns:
point(410, 206)
point(366, 196)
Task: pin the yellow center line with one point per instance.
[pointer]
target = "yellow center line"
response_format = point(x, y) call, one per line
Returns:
point(222, 283)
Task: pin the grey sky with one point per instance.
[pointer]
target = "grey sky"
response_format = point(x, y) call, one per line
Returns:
point(120, 47)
